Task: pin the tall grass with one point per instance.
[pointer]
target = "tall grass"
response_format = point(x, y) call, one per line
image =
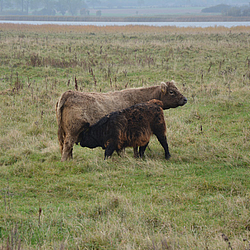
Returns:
point(197, 200)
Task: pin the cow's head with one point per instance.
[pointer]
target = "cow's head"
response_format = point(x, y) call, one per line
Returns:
point(171, 96)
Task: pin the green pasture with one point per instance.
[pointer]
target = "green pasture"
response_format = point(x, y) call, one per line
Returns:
point(199, 199)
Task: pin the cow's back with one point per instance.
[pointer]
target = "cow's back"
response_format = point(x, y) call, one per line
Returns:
point(81, 107)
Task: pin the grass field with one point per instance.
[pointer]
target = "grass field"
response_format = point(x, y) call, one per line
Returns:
point(199, 199)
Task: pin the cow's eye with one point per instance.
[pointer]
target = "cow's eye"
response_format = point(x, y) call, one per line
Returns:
point(171, 92)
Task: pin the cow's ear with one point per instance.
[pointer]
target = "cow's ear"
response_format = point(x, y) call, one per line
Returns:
point(164, 87)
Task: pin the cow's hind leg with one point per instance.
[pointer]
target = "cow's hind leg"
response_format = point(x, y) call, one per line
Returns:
point(163, 141)
point(67, 151)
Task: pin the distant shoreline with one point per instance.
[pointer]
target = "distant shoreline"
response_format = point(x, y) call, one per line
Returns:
point(174, 18)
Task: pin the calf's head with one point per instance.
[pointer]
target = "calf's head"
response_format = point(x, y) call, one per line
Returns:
point(87, 139)
point(157, 102)
point(171, 96)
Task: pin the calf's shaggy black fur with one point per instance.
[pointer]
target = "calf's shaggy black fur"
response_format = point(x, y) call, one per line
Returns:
point(130, 127)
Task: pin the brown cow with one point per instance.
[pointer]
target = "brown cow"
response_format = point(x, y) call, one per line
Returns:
point(75, 110)
point(130, 127)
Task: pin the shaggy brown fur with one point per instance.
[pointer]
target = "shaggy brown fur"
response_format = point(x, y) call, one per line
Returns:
point(75, 109)
point(130, 127)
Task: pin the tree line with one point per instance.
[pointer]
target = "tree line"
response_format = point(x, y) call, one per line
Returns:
point(75, 7)
point(228, 10)
point(41, 7)
point(50, 7)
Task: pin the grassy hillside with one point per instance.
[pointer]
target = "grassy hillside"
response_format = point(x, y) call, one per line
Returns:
point(189, 202)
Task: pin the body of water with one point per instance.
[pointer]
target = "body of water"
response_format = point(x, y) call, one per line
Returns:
point(156, 24)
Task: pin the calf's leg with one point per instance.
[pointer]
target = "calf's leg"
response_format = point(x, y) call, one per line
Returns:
point(136, 155)
point(163, 141)
point(142, 150)
point(109, 150)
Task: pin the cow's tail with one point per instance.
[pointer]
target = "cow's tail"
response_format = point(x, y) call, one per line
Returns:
point(59, 109)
